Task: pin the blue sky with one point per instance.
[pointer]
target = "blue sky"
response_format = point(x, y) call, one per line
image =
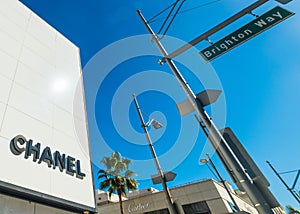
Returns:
point(259, 79)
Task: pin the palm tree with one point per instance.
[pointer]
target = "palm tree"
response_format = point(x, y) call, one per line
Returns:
point(117, 176)
point(292, 210)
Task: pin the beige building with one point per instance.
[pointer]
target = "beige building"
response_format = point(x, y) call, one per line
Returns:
point(207, 196)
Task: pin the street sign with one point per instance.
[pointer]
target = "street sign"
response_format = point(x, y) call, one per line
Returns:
point(253, 28)
point(258, 178)
point(206, 97)
point(169, 176)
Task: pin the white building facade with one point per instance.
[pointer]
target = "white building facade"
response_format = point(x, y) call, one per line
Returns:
point(44, 147)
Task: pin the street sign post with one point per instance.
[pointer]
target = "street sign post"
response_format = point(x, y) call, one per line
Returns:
point(169, 176)
point(248, 31)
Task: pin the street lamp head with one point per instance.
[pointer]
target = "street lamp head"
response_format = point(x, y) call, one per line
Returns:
point(203, 160)
point(156, 124)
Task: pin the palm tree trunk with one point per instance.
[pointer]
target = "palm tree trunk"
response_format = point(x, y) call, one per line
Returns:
point(120, 201)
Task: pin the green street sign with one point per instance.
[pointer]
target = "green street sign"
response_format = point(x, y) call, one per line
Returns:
point(253, 28)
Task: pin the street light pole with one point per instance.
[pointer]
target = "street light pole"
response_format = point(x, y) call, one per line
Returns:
point(170, 200)
point(221, 179)
point(218, 140)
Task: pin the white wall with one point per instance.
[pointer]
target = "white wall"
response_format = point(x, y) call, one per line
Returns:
point(41, 97)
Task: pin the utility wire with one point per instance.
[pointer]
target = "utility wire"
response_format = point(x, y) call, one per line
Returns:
point(183, 11)
point(151, 19)
point(170, 14)
point(166, 19)
point(296, 170)
point(177, 11)
point(202, 5)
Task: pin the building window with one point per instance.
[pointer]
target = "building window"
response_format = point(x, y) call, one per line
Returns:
point(196, 208)
point(162, 211)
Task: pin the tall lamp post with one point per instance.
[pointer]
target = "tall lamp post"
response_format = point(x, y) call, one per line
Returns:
point(217, 139)
point(205, 161)
point(156, 125)
point(197, 102)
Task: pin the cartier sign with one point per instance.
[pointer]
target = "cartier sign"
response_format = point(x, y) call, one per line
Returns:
point(133, 207)
point(63, 162)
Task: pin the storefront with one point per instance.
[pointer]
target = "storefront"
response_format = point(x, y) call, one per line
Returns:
point(44, 147)
point(206, 197)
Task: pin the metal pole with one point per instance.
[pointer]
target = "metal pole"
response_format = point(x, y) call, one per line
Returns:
point(239, 171)
point(223, 182)
point(215, 148)
point(214, 166)
point(170, 200)
point(284, 183)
